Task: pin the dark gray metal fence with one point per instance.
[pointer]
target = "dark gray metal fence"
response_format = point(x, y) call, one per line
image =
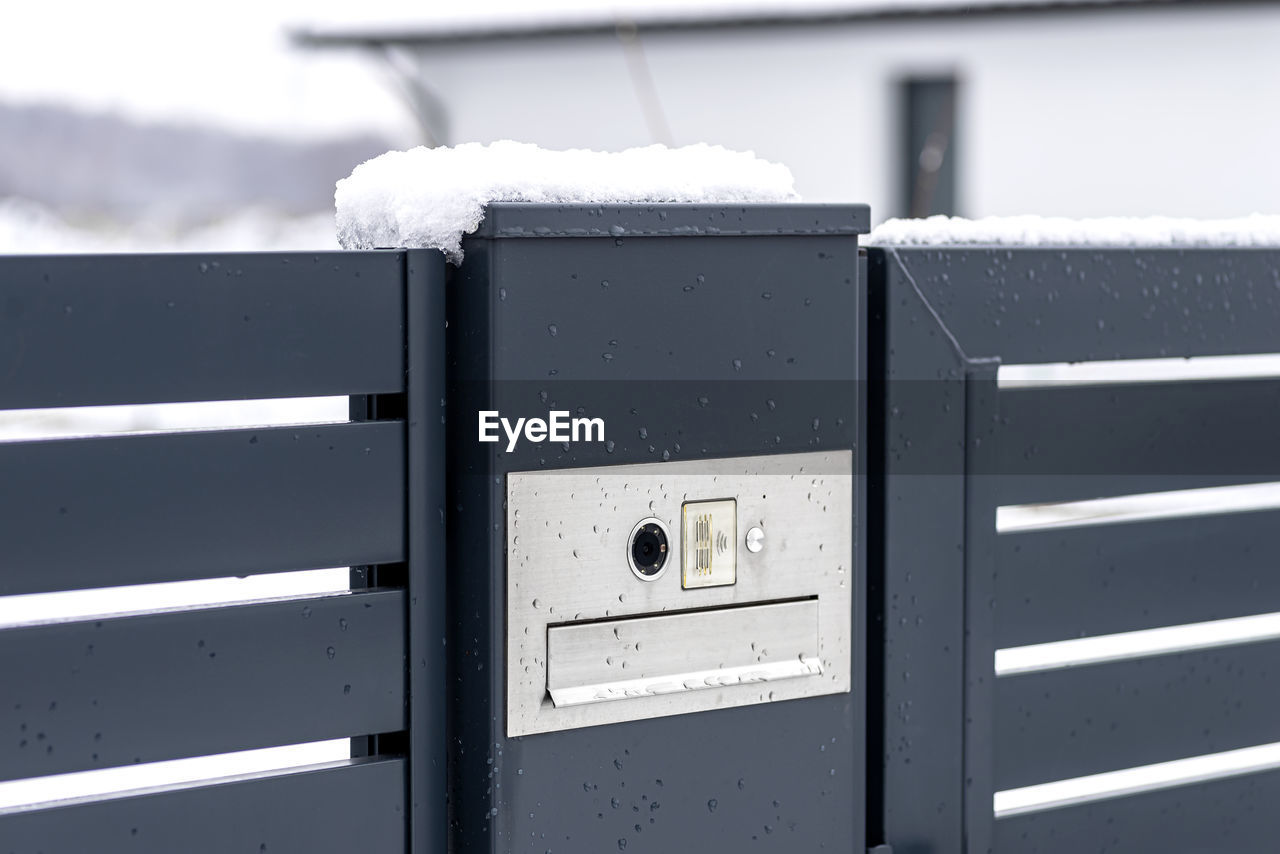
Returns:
point(955, 445)
point(100, 512)
point(696, 334)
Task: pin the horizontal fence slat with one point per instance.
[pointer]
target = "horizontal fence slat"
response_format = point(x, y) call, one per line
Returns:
point(1028, 305)
point(337, 809)
point(1060, 724)
point(128, 329)
point(1052, 488)
point(101, 693)
point(1079, 582)
point(1177, 428)
point(1234, 814)
point(1178, 435)
point(84, 513)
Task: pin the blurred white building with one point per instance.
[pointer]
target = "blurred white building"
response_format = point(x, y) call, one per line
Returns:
point(1129, 107)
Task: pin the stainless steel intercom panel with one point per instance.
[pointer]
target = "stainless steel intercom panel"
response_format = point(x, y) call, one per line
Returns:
point(648, 590)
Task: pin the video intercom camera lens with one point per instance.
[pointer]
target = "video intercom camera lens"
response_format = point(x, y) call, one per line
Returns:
point(649, 549)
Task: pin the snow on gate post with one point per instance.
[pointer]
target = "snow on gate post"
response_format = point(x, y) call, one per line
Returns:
point(655, 505)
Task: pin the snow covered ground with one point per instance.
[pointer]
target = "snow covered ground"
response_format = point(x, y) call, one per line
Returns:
point(28, 228)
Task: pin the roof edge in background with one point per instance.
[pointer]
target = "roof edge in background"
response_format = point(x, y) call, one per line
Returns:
point(425, 34)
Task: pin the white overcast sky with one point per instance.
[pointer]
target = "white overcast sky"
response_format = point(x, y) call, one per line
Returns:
point(227, 63)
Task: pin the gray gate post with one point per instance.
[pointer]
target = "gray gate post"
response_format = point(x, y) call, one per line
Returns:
point(729, 338)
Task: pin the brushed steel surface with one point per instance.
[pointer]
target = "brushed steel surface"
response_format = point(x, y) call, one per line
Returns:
point(624, 659)
point(568, 532)
point(696, 680)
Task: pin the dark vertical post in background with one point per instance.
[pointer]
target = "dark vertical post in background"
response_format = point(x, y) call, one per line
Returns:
point(929, 109)
point(425, 381)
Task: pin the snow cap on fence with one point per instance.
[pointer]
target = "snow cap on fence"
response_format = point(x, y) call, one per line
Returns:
point(431, 197)
point(1158, 231)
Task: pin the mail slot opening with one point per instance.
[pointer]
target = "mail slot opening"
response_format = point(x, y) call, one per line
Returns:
point(637, 657)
